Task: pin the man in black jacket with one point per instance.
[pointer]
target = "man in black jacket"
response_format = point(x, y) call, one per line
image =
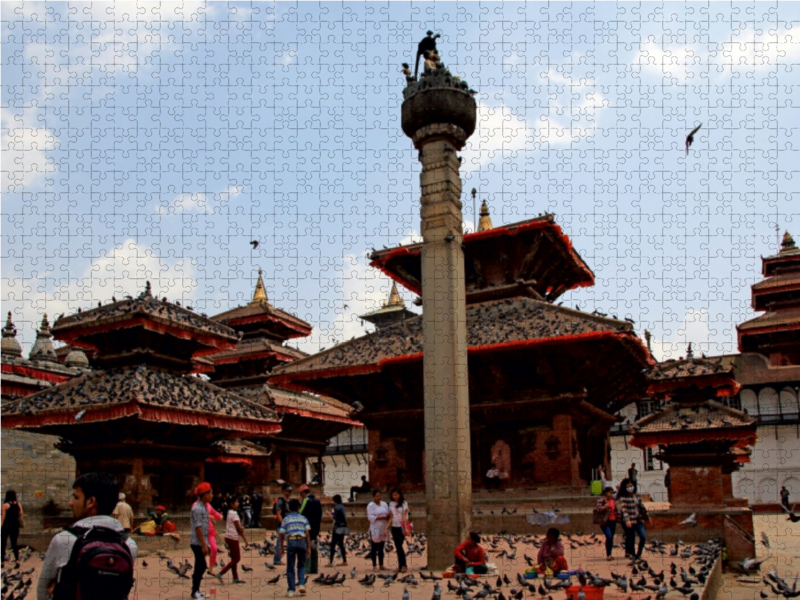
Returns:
point(311, 509)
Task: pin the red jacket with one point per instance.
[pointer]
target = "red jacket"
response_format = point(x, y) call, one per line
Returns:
point(472, 552)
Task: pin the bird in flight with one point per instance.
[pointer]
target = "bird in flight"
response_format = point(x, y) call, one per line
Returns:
point(690, 138)
point(254, 243)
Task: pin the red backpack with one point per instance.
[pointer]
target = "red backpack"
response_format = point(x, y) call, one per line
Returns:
point(100, 566)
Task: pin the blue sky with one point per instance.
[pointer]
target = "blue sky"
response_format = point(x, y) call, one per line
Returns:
point(155, 140)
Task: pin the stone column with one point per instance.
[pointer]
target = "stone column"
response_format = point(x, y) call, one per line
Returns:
point(439, 119)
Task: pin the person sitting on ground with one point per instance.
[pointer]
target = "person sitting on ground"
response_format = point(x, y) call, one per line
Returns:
point(470, 554)
point(551, 554)
point(362, 489)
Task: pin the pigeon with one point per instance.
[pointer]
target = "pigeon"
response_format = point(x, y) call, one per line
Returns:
point(690, 138)
point(79, 416)
point(254, 244)
point(246, 569)
point(765, 540)
point(437, 592)
point(406, 594)
point(274, 580)
point(691, 520)
point(790, 512)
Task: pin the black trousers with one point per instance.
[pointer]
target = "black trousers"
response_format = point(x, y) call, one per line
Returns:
point(399, 538)
point(199, 567)
point(492, 482)
point(479, 569)
point(337, 539)
point(11, 533)
point(376, 552)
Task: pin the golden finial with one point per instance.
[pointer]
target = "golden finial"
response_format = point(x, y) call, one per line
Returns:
point(485, 222)
point(260, 294)
point(394, 297)
point(787, 245)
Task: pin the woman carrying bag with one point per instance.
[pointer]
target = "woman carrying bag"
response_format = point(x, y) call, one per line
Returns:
point(399, 508)
point(633, 516)
point(605, 515)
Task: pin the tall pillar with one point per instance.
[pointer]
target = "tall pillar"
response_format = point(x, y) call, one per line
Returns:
point(438, 114)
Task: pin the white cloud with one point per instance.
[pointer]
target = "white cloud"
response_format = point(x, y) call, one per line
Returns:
point(122, 270)
point(25, 162)
point(201, 202)
point(694, 328)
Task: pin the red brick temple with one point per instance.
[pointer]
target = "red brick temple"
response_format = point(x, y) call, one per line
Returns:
point(544, 380)
point(776, 333)
point(141, 415)
point(308, 421)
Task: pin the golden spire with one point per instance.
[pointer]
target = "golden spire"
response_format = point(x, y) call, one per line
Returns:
point(260, 295)
point(485, 222)
point(787, 245)
point(394, 297)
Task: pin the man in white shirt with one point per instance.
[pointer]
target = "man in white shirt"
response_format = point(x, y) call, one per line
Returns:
point(124, 514)
point(493, 478)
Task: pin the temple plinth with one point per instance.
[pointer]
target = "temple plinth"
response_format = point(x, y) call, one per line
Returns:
point(439, 118)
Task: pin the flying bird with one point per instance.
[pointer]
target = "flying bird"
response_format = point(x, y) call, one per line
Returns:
point(691, 521)
point(254, 244)
point(690, 138)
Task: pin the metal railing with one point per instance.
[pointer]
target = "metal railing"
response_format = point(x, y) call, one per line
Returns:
point(346, 449)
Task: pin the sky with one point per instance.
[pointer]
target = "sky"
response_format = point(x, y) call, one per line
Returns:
point(154, 140)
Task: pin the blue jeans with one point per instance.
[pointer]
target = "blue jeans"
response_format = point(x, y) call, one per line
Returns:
point(248, 517)
point(608, 529)
point(630, 538)
point(296, 552)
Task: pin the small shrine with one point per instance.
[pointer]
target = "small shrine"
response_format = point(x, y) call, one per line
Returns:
point(701, 439)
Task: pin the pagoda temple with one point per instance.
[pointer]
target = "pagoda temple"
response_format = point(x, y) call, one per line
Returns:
point(308, 421)
point(776, 334)
point(543, 379)
point(141, 416)
point(700, 438)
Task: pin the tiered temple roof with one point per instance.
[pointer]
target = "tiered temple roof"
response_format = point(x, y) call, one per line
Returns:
point(776, 333)
point(532, 258)
point(692, 378)
point(145, 345)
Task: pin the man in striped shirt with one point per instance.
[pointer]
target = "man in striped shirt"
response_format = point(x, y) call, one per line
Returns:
point(295, 540)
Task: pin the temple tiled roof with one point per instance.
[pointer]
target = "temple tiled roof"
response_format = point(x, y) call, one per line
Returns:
point(536, 252)
point(240, 448)
point(677, 418)
point(143, 305)
point(689, 367)
point(698, 375)
point(104, 395)
point(248, 349)
point(266, 310)
point(783, 320)
point(497, 322)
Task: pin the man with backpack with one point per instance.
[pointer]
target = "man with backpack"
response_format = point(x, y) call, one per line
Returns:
point(95, 558)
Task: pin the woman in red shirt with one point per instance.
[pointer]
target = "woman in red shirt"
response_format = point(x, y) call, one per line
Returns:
point(470, 554)
point(607, 505)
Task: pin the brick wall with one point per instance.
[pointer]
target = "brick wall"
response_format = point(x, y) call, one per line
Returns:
point(29, 465)
point(696, 485)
